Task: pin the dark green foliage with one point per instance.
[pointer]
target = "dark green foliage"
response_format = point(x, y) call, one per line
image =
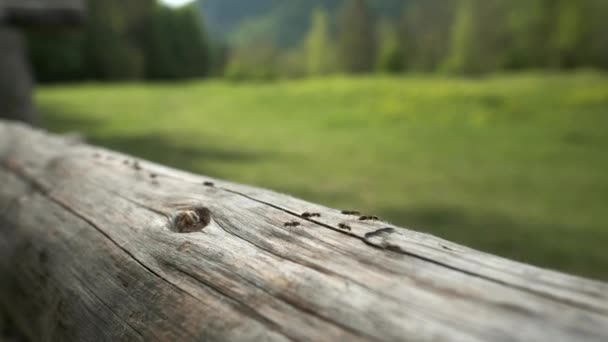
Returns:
point(456, 36)
point(568, 32)
point(594, 38)
point(123, 41)
point(175, 44)
point(391, 57)
point(57, 57)
point(112, 43)
point(479, 37)
point(528, 24)
point(356, 37)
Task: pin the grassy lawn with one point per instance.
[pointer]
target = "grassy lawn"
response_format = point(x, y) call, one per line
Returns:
point(515, 165)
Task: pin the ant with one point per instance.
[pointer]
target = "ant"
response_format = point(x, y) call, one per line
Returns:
point(344, 226)
point(292, 224)
point(350, 212)
point(210, 184)
point(309, 215)
point(369, 218)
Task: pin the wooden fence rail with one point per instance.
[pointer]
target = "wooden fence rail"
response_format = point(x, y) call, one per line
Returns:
point(42, 12)
point(99, 246)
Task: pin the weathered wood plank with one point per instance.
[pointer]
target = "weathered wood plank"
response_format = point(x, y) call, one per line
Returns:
point(42, 12)
point(91, 249)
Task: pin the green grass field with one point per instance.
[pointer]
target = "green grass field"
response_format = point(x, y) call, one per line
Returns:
point(515, 165)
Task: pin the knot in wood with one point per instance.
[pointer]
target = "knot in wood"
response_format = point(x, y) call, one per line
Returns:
point(191, 220)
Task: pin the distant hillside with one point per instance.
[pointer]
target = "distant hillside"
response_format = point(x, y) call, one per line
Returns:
point(283, 22)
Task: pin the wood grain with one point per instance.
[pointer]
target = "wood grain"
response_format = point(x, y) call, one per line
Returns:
point(100, 246)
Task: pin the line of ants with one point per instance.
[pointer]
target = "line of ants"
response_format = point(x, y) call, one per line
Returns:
point(306, 215)
point(342, 226)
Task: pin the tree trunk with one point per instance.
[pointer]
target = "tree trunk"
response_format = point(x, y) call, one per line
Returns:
point(100, 246)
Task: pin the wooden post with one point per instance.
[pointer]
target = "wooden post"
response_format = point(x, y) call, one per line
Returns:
point(16, 81)
point(15, 78)
point(100, 246)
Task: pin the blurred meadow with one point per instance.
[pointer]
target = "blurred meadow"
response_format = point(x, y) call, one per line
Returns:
point(510, 164)
point(484, 122)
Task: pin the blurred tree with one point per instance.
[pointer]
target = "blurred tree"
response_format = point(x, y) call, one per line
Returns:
point(140, 38)
point(257, 61)
point(112, 43)
point(356, 37)
point(125, 41)
point(175, 44)
point(594, 38)
point(218, 56)
point(566, 39)
point(284, 22)
point(527, 26)
point(491, 35)
point(57, 57)
point(425, 29)
point(461, 54)
point(479, 37)
point(391, 58)
point(190, 43)
point(292, 63)
point(319, 46)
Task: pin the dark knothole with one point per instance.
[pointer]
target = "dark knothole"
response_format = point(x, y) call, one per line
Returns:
point(191, 220)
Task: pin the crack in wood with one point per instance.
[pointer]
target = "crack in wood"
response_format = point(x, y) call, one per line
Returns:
point(120, 319)
point(379, 232)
